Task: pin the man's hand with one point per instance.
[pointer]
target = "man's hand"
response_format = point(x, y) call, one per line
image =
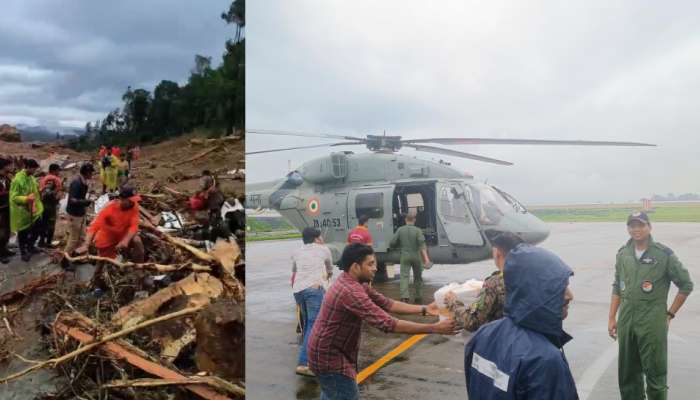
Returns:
point(122, 245)
point(432, 309)
point(612, 328)
point(445, 327)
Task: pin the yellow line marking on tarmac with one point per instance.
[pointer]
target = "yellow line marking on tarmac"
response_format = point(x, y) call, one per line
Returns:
point(407, 344)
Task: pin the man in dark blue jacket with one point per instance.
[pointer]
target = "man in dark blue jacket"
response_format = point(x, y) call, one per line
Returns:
point(520, 355)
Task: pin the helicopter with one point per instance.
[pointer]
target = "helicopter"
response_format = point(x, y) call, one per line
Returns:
point(454, 210)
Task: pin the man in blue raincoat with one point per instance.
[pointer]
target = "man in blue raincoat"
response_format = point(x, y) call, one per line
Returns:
point(520, 356)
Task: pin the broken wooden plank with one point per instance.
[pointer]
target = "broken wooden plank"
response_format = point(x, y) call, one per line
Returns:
point(137, 361)
point(202, 256)
point(192, 380)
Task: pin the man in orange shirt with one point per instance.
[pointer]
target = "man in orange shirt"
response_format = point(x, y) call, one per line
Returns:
point(116, 228)
point(360, 234)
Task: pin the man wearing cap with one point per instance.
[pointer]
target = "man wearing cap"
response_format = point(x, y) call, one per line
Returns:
point(77, 206)
point(644, 270)
point(116, 228)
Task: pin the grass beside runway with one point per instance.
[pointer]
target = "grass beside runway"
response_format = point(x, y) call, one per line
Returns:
point(272, 236)
point(666, 212)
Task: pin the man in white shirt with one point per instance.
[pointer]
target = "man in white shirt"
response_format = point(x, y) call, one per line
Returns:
point(311, 269)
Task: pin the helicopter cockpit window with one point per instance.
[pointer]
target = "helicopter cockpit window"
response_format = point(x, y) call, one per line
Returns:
point(489, 205)
point(454, 203)
point(370, 204)
point(513, 202)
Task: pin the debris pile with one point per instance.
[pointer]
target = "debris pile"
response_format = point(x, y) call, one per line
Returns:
point(172, 327)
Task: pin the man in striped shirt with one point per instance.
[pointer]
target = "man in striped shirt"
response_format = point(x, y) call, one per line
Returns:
point(335, 339)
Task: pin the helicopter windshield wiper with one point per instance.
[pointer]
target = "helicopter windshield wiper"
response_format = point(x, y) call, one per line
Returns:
point(524, 142)
point(455, 153)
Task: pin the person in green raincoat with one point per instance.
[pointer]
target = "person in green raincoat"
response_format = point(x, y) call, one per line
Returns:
point(26, 208)
point(109, 173)
point(644, 271)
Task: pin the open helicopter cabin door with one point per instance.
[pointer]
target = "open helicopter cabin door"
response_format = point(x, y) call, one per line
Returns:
point(455, 214)
point(375, 202)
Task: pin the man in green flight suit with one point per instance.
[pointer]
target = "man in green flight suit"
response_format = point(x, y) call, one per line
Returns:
point(409, 238)
point(643, 272)
point(26, 208)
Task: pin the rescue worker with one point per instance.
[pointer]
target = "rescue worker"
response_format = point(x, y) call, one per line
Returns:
point(115, 229)
point(644, 270)
point(312, 268)
point(214, 200)
point(335, 339)
point(77, 206)
point(520, 356)
point(26, 208)
point(51, 189)
point(109, 174)
point(360, 234)
point(414, 255)
point(492, 298)
point(5, 232)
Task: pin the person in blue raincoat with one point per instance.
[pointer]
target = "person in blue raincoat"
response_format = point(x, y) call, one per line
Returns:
point(520, 356)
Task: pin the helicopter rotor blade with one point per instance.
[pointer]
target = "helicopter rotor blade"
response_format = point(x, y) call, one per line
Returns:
point(455, 153)
point(525, 142)
point(303, 134)
point(303, 147)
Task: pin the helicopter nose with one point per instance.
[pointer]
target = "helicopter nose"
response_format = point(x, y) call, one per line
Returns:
point(537, 231)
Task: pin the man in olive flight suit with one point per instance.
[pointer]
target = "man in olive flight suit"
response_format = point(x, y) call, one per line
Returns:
point(643, 272)
point(409, 238)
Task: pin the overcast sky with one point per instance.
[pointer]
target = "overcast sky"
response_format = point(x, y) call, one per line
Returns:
point(595, 70)
point(63, 63)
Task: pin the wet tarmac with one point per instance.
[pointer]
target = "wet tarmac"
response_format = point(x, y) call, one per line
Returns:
point(434, 368)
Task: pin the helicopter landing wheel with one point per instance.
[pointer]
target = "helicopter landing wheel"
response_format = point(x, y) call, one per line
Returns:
point(381, 275)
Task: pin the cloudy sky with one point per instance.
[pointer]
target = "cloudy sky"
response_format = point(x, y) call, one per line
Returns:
point(63, 63)
point(595, 70)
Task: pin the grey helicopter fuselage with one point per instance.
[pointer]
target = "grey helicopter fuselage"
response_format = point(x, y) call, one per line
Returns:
point(453, 209)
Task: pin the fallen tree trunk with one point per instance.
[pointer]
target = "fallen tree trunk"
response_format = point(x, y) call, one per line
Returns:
point(198, 156)
point(200, 283)
point(144, 266)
